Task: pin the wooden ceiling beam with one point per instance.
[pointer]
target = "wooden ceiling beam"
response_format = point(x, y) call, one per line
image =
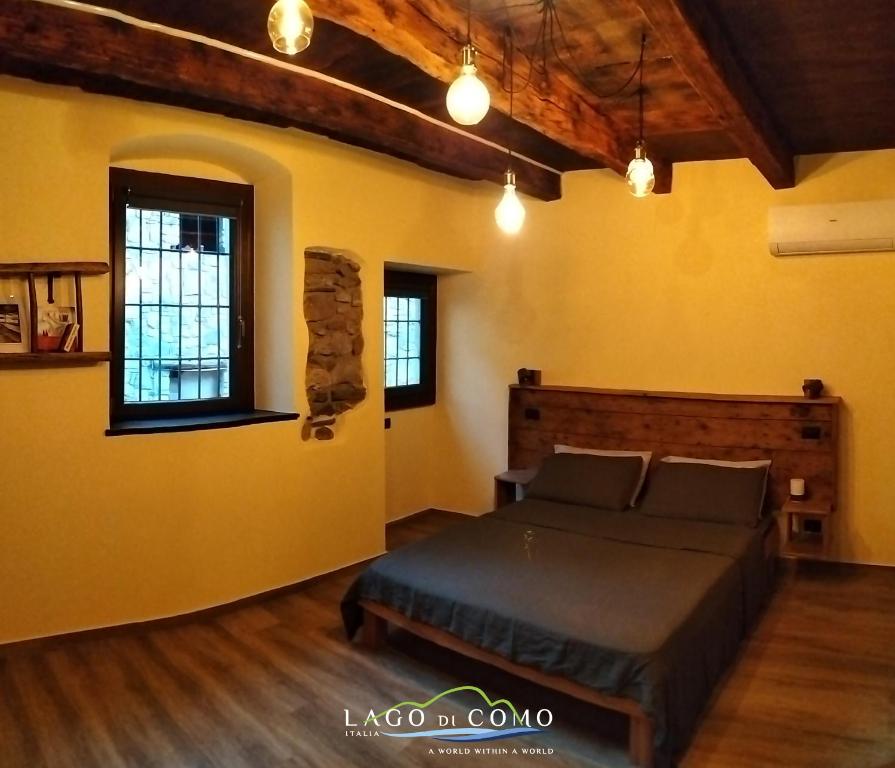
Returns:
point(664, 176)
point(430, 34)
point(100, 54)
point(699, 47)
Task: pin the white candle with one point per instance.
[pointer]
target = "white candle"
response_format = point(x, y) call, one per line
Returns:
point(797, 487)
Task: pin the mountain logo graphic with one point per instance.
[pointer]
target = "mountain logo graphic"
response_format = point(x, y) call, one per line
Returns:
point(495, 719)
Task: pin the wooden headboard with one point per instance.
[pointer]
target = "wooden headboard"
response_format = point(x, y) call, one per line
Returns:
point(801, 436)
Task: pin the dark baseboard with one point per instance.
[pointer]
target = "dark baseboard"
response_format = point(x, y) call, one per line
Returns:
point(48, 643)
point(102, 633)
point(429, 512)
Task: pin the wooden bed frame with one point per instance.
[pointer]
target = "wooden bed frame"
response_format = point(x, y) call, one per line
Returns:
point(799, 435)
point(377, 617)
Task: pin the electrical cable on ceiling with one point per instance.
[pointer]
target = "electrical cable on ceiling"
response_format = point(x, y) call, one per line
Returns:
point(508, 84)
point(547, 42)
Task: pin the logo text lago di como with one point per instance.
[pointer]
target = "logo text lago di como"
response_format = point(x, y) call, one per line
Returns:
point(484, 720)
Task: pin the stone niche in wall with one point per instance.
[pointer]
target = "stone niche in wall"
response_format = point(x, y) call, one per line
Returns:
point(334, 311)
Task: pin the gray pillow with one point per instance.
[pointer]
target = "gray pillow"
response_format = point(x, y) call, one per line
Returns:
point(606, 482)
point(706, 492)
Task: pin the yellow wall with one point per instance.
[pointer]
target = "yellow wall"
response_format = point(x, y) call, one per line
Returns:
point(679, 292)
point(674, 292)
point(99, 531)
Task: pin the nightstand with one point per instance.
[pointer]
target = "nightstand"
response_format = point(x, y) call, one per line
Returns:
point(506, 483)
point(811, 541)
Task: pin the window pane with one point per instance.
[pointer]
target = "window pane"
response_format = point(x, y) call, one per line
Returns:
point(416, 309)
point(150, 334)
point(403, 309)
point(190, 277)
point(149, 277)
point(391, 373)
point(413, 343)
point(225, 379)
point(170, 231)
point(224, 241)
point(209, 279)
point(224, 282)
point(209, 380)
point(131, 381)
point(132, 274)
point(391, 308)
point(224, 325)
point(402, 339)
point(189, 340)
point(209, 331)
point(188, 376)
point(189, 232)
point(208, 234)
point(151, 229)
point(171, 277)
point(402, 373)
point(150, 381)
point(413, 372)
point(167, 383)
point(170, 332)
point(132, 227)
point(391, 340)
point(132, 332)
point(173, 382)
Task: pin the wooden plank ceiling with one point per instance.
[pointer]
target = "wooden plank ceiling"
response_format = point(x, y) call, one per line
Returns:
point(761, 79)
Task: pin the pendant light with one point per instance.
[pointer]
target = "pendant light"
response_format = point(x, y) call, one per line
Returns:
point(510, 213)
point(290, 26)
point(641, 176)
point(468, 100)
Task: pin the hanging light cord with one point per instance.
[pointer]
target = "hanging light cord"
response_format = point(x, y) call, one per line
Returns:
point(469, 22)
point(568, 61)
point(511, 43)
point(548, 42)
point(508, 84)
point(640, 89)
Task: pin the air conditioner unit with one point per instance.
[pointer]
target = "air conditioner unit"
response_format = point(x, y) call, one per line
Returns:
point(832, 228)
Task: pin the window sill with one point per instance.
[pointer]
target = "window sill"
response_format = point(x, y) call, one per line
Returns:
point(395, 408)
point(196, 423)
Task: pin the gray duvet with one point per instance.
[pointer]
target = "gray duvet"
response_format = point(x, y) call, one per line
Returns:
point(647, 608)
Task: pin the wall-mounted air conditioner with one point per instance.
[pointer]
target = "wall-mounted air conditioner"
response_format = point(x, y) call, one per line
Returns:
point(833, 228)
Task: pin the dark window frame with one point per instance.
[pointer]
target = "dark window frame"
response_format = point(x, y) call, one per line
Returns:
point(195, 196)
point(416, 285)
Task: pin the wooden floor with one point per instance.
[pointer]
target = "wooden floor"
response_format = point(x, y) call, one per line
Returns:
point(266, 686)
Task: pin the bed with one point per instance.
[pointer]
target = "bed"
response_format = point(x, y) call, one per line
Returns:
point(626, 610)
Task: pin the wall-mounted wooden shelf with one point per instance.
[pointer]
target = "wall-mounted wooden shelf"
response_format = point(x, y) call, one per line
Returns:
point(51, 270)
point(56, 359)
point(54, 268)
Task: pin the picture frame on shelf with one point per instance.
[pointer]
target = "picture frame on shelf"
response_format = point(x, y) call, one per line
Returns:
point(53, 320)
point(13, 325)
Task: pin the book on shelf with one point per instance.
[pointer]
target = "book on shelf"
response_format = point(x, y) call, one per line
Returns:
point(70, 336)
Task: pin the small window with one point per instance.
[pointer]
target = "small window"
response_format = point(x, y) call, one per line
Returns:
point(410, 310)
point(182, 298)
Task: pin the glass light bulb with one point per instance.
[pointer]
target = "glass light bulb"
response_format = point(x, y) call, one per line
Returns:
point(290, 26)
point(641, 176)
point(468, 100)
point(510, 213)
